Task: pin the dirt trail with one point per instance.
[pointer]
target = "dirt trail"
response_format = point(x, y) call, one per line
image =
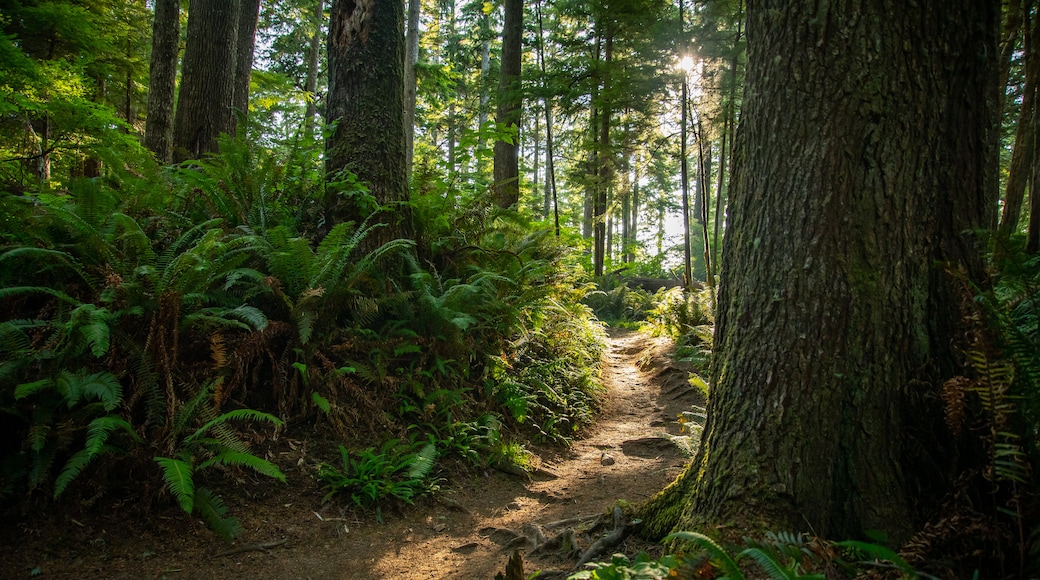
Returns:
point(628, 455)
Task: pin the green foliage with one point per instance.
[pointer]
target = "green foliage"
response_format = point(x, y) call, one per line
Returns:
point(211, 445)
point(643, 567)
point(372, 478)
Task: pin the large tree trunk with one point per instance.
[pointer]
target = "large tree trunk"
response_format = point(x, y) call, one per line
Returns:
point(366, 100)
point(162, 79)
point(837, 314)
point(510, 102)
point(248, 17)
point(204, 106)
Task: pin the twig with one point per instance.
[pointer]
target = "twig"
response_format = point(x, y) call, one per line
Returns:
point(251, 548)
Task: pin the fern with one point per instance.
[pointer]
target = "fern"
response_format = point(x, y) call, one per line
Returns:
point(261, 466)
point(717, 553)
point(98, 433)
point(422, 464)
point(215, 513)
point(179, 478)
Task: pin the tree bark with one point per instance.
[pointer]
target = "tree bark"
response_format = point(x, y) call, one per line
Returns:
point(411, 58)
point(366, 100)
point(837, 317)
point(311, 82)
point(510, 103)
point(162, 79)
point(604, 169)
point(206, 98)
point(249, 15)
point(1020, 170)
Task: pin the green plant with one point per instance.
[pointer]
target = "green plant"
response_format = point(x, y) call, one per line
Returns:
point(642, 567)
point(371, 478)
point(213, 444)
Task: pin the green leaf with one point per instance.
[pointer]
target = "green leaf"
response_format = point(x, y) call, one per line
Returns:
point(179, 478)
point(322, 403)
point(215, 512)
point(717, 553)
point(261, 466)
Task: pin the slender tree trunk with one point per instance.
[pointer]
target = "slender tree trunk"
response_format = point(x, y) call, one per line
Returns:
point(719, 206)
point(703, 187)
point(1010, 33)
point(311, 82)
point(206, 98)
point(1020, 170)
point(838, 320)
point(605, 166)
point(366, 100)
point(550, 167)
point(411, 58)
point(510, 103)
point(162, 79)
point(247, 20)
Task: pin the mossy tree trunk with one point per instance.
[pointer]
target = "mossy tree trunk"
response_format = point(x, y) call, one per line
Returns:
point(866, 151)
point(510, 103)
point(366, 102)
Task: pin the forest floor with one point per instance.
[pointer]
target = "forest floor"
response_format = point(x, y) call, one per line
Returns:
point(626, 455)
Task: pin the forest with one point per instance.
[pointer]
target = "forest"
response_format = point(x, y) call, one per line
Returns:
point(371, 261)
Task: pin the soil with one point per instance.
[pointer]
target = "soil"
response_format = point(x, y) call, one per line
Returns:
point(627, 455)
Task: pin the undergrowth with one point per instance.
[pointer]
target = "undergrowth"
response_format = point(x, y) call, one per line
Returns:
point(153, 317)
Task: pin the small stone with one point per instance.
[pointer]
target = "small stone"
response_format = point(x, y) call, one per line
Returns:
point(440, 527)
point(607, 459)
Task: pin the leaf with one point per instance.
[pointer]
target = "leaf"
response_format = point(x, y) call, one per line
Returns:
point(97, 435)
point(729, 566)
point(179, 478)
point(771, 566)
point(322, 403)
point(261, 466)
point(215, 512)
point(250, 414)
point(422, 464)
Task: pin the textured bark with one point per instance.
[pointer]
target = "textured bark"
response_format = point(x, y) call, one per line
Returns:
point(311, 82)
point(510, 102)
point(867, 148)
point(1020, 169)
point(410, 83)
point(162, 79)
point(366, 100)
point(249, 14)
point(204, 104)
point(604, 166)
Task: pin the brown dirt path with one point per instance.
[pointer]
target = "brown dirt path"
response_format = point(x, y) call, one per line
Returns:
point(440, 539)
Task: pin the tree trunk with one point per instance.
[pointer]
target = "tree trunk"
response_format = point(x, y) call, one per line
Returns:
point(162, 79)
point(1022, 155)
point(311, 82)
point(605, 166)
point(247, 19)
point(366, 100)
point(206, 98)
point(837, 317)
point(411, 58)
point(510, 102)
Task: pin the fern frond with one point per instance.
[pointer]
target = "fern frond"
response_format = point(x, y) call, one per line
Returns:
point(98, 433)
point(257, 464)
point(715, 551)
point(772, 568)
point(103, 386)
point(179, 477)
point(422, 463)
point(237, 414)
point(215, 512)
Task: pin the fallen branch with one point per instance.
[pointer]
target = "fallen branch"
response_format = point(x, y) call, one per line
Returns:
point(251, 548)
